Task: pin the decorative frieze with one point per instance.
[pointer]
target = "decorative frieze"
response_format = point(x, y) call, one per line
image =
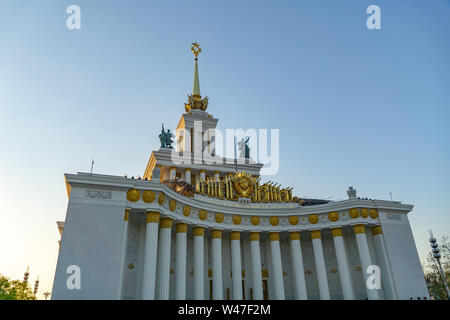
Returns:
point(96, 194)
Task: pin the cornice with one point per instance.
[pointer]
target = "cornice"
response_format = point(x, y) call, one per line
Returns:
point(124, 184)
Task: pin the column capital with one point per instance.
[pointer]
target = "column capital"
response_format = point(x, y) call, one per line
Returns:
point(315, 234)
point(173, 168)
point(336, 232)
point(181, 227)
point(254, 236)
point(235, 235)
point(187, 169)
point(359, 228)
point(274, 236)
point(165, 223)
point(216, 234)
point(127, 214)
point(152, 216)
point(199, 231)
point(294, 235)
point(376, 230)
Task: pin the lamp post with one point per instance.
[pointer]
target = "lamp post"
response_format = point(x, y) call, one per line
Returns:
point(437, 256)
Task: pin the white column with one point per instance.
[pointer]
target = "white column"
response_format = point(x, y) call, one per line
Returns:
point(217, 174)
point(256, 266)
point(216, 253)
point(321, 270)
point(151, 249)
point(274, 238)
point(124, 252)
point(202, 174)
point(236, 266)
point(297, 266)
point(364, 256)
point(180, 264)
point(163, 267)
point(173, 172)
point(344, 270)
point(199, 233)
point(187, 175)
point(386, 275)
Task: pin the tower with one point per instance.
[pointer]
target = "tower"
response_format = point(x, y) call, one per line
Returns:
point(196, 137)
point(196, 128)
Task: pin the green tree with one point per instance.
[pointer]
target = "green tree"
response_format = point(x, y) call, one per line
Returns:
point(432, 272)
point(15, 289)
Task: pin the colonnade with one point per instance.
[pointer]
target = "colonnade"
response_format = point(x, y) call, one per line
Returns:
point(156, 275)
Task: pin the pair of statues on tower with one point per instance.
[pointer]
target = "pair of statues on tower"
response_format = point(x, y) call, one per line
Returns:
point(165, 137)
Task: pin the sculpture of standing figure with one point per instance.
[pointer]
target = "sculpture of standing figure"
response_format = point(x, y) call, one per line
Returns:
point(244, 149)
point(165, 138)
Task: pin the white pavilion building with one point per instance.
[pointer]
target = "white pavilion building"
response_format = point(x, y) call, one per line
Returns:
point(215, 231)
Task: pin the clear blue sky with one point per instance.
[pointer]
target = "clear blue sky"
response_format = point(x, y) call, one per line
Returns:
point(359, 107)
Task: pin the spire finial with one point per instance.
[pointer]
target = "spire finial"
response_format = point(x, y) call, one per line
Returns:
point(196, 49)
point(195, 100)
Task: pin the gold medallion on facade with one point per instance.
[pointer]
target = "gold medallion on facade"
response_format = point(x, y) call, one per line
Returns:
point(133, 195)
point(148, 196)
point(172, 205)
point(333, 216)
point(219, 217)
point(364, 212)
point(293, 220)
point(202, 214)
point(373, 213)
point(274, 221)
point(354, 213)
point(237, 219)
point(186, 211)
point(161, 198)
point(313, 218)
point(254, 220)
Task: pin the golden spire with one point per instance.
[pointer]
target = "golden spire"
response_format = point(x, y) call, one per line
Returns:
point(195, 100)
point(196, 51)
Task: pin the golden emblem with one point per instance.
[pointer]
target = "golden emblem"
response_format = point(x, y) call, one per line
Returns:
point(243, 184)
point(195, 48)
